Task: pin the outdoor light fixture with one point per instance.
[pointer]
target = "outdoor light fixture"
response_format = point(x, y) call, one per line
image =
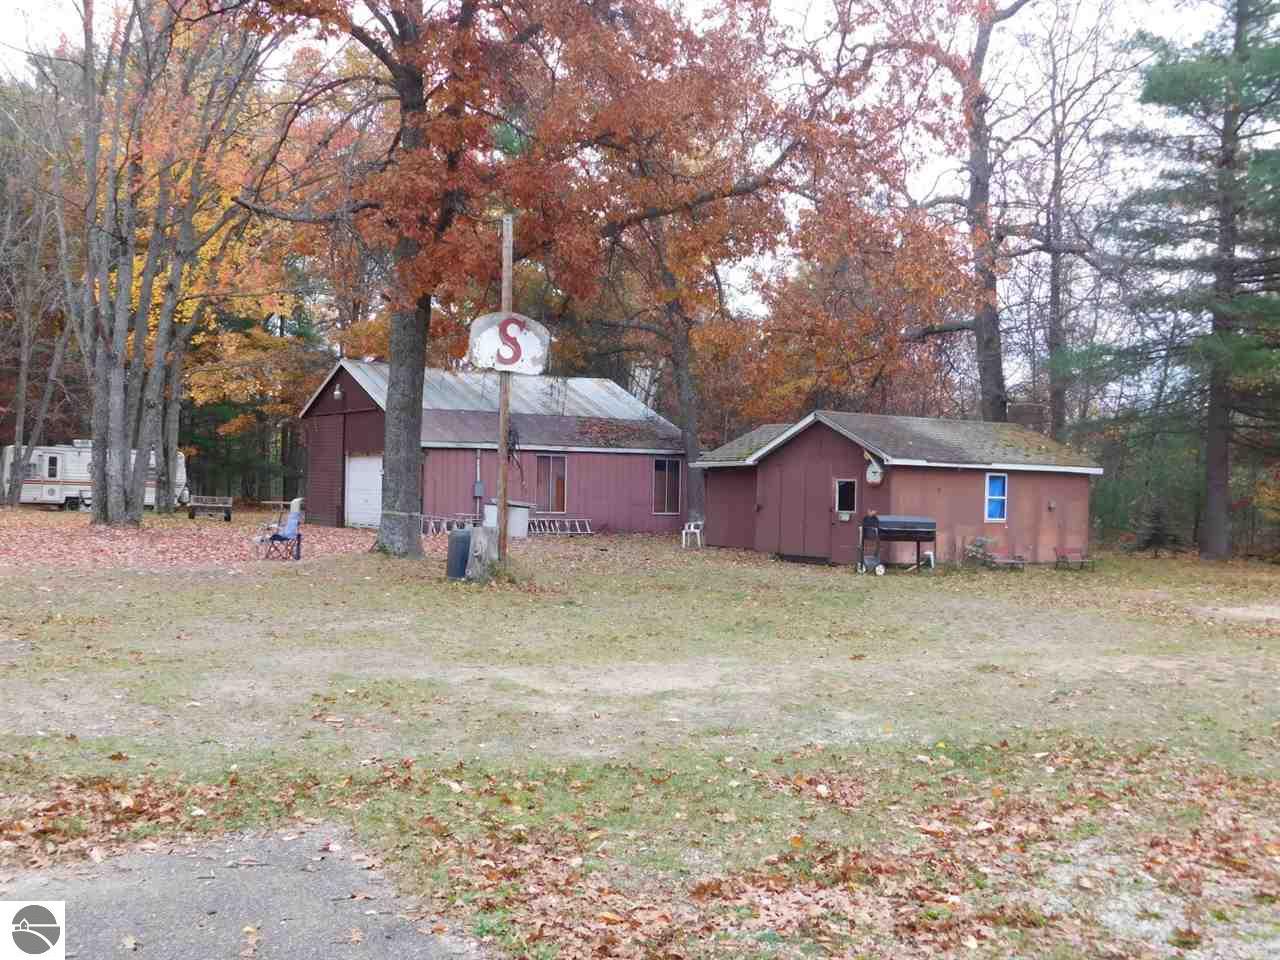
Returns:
point(337, 391)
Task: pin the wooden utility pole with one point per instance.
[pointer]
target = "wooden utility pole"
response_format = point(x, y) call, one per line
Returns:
point(504, 392)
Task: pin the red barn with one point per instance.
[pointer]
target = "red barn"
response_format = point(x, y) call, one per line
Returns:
point(800, 490)
point(585, 448)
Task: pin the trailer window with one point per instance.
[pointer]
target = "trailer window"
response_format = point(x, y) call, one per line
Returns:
point(997, 497)
point(52, 468)
point(32, 471)
point(551, 484)
point(666, 485)
point(846, 496)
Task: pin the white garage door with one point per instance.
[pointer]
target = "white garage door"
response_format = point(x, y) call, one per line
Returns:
point(364, 491)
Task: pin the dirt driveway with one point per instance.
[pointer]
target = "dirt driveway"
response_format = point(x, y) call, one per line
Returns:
point(615, 647)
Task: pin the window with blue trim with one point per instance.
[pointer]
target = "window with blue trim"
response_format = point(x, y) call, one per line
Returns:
point(997, 497)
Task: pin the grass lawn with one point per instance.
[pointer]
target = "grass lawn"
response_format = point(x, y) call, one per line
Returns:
point(635, 750)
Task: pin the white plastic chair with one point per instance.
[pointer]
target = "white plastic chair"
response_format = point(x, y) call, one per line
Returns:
point(692, 530)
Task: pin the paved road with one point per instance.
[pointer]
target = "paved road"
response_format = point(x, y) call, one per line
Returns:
point(294, 890)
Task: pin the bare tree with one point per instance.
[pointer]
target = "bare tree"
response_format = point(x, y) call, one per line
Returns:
point(162, 109)
point(28, 276)
point(1058, 174)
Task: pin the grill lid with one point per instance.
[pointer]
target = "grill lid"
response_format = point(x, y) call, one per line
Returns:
point(890, 526)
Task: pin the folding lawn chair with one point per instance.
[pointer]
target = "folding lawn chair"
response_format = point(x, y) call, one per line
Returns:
point(284, 541)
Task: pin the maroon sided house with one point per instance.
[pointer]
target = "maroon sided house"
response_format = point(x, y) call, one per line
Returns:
point(800, 490)
point(585, 449)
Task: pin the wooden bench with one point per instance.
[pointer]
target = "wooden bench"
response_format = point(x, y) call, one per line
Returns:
point(1007, 563)
point(209, 505)
point(1071, 558)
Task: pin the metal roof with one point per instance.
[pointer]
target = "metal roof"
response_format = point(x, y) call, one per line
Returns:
point(461, 409)
point(922, 441)
point(550, 396)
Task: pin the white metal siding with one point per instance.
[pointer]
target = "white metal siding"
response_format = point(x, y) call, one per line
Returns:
point(363, 492)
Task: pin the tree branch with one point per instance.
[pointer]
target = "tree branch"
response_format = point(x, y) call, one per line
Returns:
point(337, 216)
point(920, 334)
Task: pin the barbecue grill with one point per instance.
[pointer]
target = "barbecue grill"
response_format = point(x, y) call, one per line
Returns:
point(890, 529)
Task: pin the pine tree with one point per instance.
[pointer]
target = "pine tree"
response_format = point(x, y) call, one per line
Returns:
point(1156, 531)
point(1202, 235)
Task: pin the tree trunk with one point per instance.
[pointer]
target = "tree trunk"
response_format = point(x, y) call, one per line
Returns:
point(986, 317)
point(101, 403)
point(400, 529)
point(690, 410)
point(1215, 531)
point(288, 477)
point(167, 450)
point(42, 412)
point(17, 470)
point(118, 465)
point(1055, 338)
point(982, 230)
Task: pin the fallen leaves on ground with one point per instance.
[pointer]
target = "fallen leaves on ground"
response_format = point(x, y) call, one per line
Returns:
point(971, 869)
point(94, 817)
point(969, 873)
point(33, 537)
point(839, 789)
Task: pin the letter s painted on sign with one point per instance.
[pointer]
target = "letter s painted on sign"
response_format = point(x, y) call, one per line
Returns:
point(509, 342)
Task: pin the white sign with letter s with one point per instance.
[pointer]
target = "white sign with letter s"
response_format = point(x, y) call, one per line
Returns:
point(510, 343)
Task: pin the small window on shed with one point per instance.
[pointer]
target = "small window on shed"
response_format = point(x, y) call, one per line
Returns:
point(846, 496)
point(551, 484)
point(997, 497)
point(666, 485)
point(52, 468)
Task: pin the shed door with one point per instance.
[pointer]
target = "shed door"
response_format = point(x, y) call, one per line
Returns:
point(845, 527)
point(363, 506)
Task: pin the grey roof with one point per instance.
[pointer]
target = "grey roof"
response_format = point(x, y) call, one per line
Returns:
point(552, 396)
point(461, 409)
point(922, 440)
point(452, 428)
point(740, 448)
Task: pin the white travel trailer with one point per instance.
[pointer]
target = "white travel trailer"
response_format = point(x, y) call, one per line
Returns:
point(60, 475)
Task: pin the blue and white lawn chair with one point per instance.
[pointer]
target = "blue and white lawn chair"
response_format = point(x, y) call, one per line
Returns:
point(283, 541)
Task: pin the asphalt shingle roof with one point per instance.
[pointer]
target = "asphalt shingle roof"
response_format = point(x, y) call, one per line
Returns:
point(955, 441)
point(922, 439)
point(740, 448)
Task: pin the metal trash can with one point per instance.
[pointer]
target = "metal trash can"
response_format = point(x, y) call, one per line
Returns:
point(459, 550)
point(517, 518)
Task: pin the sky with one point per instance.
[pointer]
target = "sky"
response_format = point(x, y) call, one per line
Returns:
point(26, 23)
point(29, 23)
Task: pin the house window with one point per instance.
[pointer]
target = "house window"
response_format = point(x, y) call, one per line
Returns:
point(52, 468)
point(997, 497)
point(551, 484)
point(666, 485)
point(846, 496)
